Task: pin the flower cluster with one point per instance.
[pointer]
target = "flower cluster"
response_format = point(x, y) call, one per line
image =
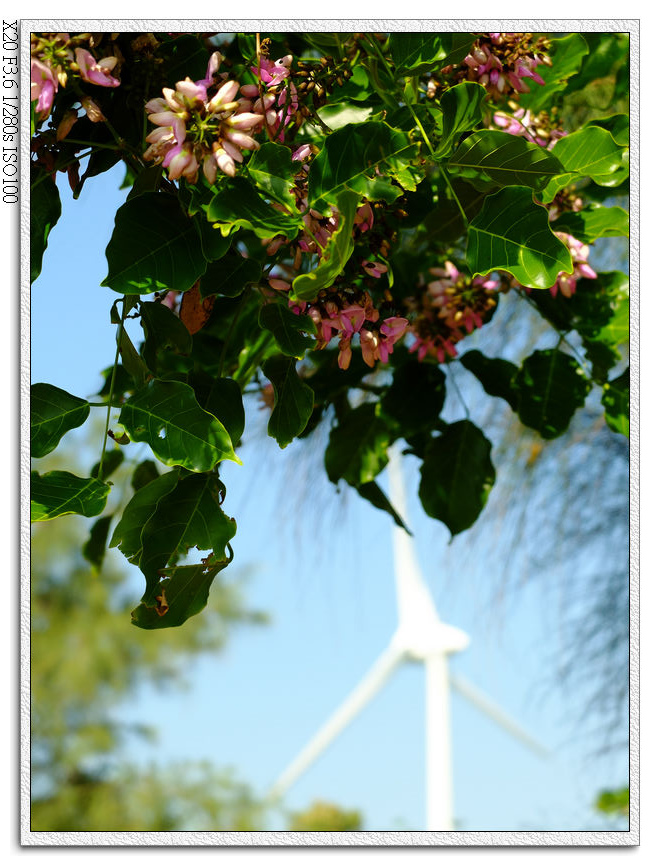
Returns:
point(54, 57)
point(539, 128)
point(502, 63)
point(448, 309)
point(201, 123)
point(566, 282)
point(276, 97)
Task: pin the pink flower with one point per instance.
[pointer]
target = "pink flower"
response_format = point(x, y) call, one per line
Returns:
point(181, 162)
point(374, 268)
point(96, 72)
point(44, 85)
point(301, 153)
point(364, 217)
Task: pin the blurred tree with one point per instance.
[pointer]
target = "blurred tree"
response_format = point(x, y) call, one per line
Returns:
point(325, 817)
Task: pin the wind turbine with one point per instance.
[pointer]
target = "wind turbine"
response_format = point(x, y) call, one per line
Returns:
point(422, 637)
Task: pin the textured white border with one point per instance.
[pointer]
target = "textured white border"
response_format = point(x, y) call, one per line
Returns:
point(336, 839)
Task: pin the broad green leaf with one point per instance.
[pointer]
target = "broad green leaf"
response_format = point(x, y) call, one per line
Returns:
point(335, 255)
point(423, 52)
point(415, 397)
point(128, 532)
point(590, 223)
point(567, 55)
point(237, 205)
point(57, 493)
point(358, 446)
point(44, 212)
point(293, 399)
point(340, 114)
point(550, 387)
point(616, 401)
point(94, 549)
point(456, 476)
point(213, 244)
point(288, 328)
point(273, 172)
point(145, 472)
point(494, 373)
point(618, 125)
point(222, 398)
point(589, 152)
point(164, 332)
point(505, 159)
point(53, 413)
point(113, 459)
point(350, 158)
point(166, 415)
point(182, 593)
point(188, 516)
point(512, 233)
point(373, 493)
point(462, 110)
point(154, 247)
point(230, 275)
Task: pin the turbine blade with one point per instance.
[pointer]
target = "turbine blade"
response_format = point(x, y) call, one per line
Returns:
point(490, 708)
point(371, 683)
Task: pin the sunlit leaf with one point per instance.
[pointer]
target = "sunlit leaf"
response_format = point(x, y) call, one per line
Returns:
point(57, 493)
point(462, 110)
point(273, 172)
point(237, 205)
point(335, 255)
point(423, 52)
point(53, 413)
point(154, 247)
point(505, 159)
point(350, 159)
point(456, 476)
point(128, 532)
point(589, 152)
point(166, 415)
point(567, 54)
point(512, 233)
point(592, 222)
point(221, 397)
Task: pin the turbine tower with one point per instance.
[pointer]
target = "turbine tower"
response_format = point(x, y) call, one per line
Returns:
point(422, 637)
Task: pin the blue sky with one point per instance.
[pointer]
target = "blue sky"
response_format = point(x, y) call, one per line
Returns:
point(320, 563)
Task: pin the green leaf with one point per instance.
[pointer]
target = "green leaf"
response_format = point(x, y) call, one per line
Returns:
point(567, 55)
point(589, 152)
point(512, 233)
point(113, 459)
point(349, 160)
point(494, 373)
point(550, 387)
point(128, 532)
point(505, 159)
point(230, 275)
point(53, 413)
point(373, 493)
point(294, 400)
point(164, 332)
point(340, 114)
point(188, 516)
point(590, 223)
point(166, 415)
point(616, 401)
point(424, 52)
point(94, 549)
point(273, 171)
point(415, 398)
point(44, 212)
point(185, 55)
point(154, 247)
point(456, 476)
point(182, 593)
point(462, 110)
point(57, 493)
point(222, 398)
point(335, 255)
point(358, 446)
point(132, 362)
point(237, 205)
point(288, 328)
